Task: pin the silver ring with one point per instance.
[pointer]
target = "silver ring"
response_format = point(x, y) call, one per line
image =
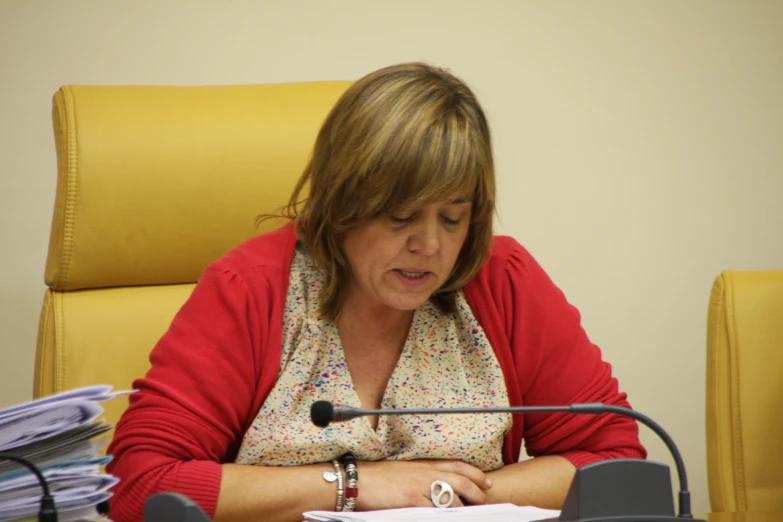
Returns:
point(438, 490)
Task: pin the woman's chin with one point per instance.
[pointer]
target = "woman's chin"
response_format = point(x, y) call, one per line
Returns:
point(408, 302)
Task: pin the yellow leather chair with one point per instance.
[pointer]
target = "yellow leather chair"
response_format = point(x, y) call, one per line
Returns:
point(154, 183)
point(745, 392)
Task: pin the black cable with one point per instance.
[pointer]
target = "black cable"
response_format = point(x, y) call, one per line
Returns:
point(48, 512)
point(684, 494)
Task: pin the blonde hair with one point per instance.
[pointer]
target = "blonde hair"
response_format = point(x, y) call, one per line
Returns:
point(401, 137)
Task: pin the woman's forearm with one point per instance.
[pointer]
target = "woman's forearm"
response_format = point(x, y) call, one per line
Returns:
point(276, 494)
point(542, 482)
point(282, 494)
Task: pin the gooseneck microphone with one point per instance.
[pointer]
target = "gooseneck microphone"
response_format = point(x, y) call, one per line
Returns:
point(47, 512)
point(638, 489)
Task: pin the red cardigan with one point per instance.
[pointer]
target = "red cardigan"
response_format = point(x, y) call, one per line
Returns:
point(213, 368)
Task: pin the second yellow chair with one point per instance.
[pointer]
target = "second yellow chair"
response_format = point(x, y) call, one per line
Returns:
point(745, 392)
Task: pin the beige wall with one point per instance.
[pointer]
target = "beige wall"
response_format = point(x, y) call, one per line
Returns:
point(639, 144)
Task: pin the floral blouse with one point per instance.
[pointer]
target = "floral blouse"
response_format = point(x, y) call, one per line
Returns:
point(446, 362)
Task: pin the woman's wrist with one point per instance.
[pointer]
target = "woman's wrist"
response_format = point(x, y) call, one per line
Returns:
point(351, 481)
point(541, 481)
point(273, 492)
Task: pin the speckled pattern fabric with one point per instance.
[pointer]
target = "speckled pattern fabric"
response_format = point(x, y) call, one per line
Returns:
point(447, 362)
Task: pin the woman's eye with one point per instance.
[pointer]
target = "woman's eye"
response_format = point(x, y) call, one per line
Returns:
point(401, 219)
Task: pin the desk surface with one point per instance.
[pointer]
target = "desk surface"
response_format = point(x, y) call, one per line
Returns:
point(744, 516)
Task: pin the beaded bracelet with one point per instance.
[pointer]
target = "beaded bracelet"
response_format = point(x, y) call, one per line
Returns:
point(352, 479)
point(336, 475)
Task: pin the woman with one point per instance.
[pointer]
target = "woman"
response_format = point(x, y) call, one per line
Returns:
point(386, 289)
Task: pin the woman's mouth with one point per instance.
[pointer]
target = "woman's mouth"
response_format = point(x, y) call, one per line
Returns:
point(413, 278)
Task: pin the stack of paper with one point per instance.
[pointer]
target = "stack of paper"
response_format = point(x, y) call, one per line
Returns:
point(493, 512)
point(59, 435)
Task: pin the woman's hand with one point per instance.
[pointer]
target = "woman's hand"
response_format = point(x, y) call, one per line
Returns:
point(395, 484)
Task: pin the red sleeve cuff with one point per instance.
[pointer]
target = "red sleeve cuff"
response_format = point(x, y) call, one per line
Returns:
point(580, 458)
point(199, 480)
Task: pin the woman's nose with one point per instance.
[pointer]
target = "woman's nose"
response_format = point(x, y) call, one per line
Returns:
point(425, 237)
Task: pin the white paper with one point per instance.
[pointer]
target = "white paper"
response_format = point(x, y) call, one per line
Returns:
point(60, 435)
point(47, 417)
point(87, 465)
point(80, 393)
point(48, 420)
point(68, 510)
point(493, 512)
point(80, 451)
point(69, 491)
point(97, 393)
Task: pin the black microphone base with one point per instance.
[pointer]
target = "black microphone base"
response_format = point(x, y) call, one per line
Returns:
point(172, 507)
point(622, 490)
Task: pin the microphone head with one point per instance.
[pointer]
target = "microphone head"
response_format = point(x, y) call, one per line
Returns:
point(322, 413)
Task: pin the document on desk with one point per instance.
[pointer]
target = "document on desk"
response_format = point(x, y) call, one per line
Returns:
point(59, 435)
point(494, 512)
point(47, 417)
point(102, 391)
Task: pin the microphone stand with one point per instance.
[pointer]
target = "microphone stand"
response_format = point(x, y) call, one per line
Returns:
point(614, 490)
point(684, 496)
point(47, 512)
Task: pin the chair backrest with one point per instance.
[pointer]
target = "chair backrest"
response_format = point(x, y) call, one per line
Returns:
point(745, 392)
point(154, 183)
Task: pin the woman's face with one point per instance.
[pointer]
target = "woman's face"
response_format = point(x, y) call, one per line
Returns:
point(398, 260)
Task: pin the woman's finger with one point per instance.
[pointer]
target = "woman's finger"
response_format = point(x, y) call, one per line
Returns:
point(467, 489)
point(427, 500)
point(466, 470)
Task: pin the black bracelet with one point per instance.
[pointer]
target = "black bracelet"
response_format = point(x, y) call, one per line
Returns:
point(351, 481)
